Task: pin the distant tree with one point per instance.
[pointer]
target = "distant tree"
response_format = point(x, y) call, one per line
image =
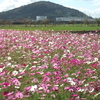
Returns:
point(30, 22)
point(25, 21)
point(8, 22)
point(85, 22)
point(1, 21)
point(97, 20)
point(45, 22)
point(72, 22)
point(34, 23)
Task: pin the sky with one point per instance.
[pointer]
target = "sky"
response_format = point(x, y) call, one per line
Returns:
point(89, 7)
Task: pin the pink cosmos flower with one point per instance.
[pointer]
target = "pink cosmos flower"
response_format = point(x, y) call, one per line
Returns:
point(19, 95)
point(1, 66)
point(54, 88)
point(75, 95)
point(97, 88)
point(5, 83)
point(27, 88)
point(66, 88)
point(11, 97)
point(66, 75)
point(71, 99)
point(15, 81)
point(5, 94)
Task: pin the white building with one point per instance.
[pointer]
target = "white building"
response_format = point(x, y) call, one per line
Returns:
point(39, 18)
point(71, 18)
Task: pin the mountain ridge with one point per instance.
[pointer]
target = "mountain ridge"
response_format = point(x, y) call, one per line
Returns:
point(41, 8)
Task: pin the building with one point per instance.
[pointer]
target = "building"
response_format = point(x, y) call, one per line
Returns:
point(59, 19)
point(39, 18)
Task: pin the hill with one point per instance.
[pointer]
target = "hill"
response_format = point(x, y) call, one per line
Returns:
point(41, 8)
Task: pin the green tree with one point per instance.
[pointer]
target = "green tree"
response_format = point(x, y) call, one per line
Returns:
point(45, 22)
point(85, 22)
point(97, 20)
point(72, 22)
point(25, 21)
point(1, 21)
point(8, 22)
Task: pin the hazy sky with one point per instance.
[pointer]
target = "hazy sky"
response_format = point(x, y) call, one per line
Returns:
point(90, 7)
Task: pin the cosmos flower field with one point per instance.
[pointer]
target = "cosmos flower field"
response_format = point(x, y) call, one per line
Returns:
point(49, 65)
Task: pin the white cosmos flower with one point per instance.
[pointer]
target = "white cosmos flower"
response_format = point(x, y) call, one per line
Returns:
point(9, 58)
point(1, 69)
point(13, 66)
point(81, 90)
point(33, 88)
point(9, 64)
point(98, 51)
point(95, 59)
point(96, 94)
point(92, 89)
point(72, 83)
point(15, 73)
point(88, 62)
point(70, 80)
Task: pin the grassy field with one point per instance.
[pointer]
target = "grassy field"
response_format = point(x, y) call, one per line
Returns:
point(52, 27)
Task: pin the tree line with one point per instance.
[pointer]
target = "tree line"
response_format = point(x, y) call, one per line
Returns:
point(28, 22)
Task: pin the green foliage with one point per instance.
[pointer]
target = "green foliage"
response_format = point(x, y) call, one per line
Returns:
point(97, 21)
